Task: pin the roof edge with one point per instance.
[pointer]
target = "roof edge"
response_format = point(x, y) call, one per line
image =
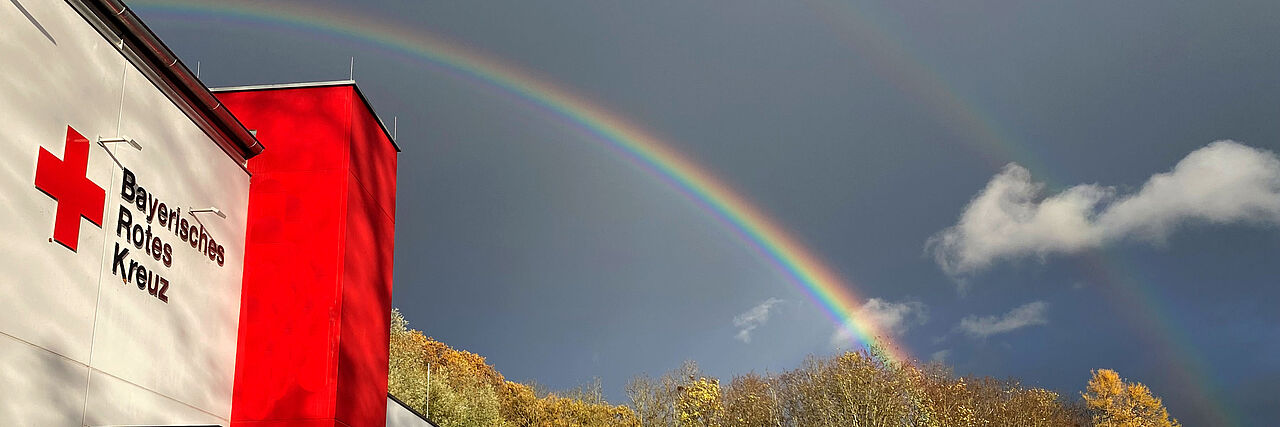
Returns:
point(153, 53)
point(328, 83)
point(411, 410)
point(273, 86)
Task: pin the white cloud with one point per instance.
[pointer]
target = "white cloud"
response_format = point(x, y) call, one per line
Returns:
point(940, 356)
point(1222, 183)
point(753, 318)
point(1029, 314)
point(888, 317)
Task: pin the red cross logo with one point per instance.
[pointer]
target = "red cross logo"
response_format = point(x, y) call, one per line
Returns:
point(65, 181)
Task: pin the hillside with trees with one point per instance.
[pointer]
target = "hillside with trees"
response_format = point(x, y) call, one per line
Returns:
point(858, 389)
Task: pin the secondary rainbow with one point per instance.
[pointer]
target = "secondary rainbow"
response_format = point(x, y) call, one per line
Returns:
point(868, 31)
point(828, 290)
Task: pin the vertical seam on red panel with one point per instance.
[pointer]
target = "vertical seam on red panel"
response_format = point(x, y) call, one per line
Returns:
point(343, 205)
point(342, 239)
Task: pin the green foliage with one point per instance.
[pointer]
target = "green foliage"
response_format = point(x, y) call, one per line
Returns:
point(407, 379)
point(459, 389)
point(462, 401)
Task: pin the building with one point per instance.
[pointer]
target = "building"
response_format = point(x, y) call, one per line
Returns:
point(174, 255)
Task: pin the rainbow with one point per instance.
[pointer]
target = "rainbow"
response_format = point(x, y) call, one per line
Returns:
point(805, 269)
point(1143, 303)
point(860, 26)
point(868, 34)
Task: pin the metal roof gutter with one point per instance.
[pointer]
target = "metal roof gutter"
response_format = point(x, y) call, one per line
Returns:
point(135, 34)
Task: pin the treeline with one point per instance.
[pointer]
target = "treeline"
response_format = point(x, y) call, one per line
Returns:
point(857, 389)
point(464, 391)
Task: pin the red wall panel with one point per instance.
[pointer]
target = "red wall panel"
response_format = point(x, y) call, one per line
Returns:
point(317, 289)
point(362, 357)
point(373, 160)
point(366, 300)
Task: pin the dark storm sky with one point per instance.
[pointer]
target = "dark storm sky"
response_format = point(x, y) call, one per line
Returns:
point(863, 128)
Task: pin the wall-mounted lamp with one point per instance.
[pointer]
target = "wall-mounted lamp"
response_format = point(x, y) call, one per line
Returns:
point(212, 210)
point(104, 141)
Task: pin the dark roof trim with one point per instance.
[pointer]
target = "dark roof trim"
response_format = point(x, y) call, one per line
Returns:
point(156, 56)
point(411, 410)
point(390, 136)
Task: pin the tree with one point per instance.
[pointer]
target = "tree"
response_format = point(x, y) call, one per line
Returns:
point(557, 411)
point(519, 404)
point(465, 391)
point(407, 379)
point(648, 402)
point(854, 389)
point(699, 403)
point(462, 401)
point(583, 406)
point(462, 390)
point(750, 401)
point(654, 400)
point(1116, 403)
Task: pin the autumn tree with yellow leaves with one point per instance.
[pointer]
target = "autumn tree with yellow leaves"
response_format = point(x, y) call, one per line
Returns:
point(1117, 403)
point(854, 389)
point(699, 403)
point(751, 401)
point(459, 389)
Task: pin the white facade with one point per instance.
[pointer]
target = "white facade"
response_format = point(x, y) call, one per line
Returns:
point(78, 345)
point(400, 416)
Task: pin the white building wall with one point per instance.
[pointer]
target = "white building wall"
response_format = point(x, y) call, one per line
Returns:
point(77, 345)
point(400, 416)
